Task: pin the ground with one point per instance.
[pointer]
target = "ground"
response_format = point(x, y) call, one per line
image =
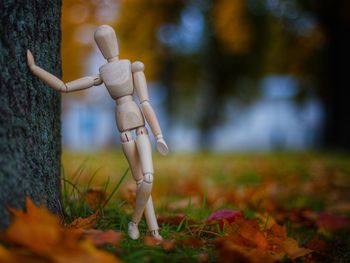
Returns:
point(307, 193)
point(276, 207)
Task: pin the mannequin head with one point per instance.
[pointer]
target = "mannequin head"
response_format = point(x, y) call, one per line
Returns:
point(107, 42)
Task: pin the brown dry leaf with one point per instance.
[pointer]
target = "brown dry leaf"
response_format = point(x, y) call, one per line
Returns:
point(100, 237)
point(293, 250)
point(151, 241)
point(183, 203)
point(37, 236)
point(266, 220)
point(168, 245)
point(279, 231)
point(203, 257)
point(174, 219)
point(192, 242)
point(230, 251)
point(317, 244)
point(246, 241)
point(95, 198)
point(250, 231)
point(280, 244)
point(84, 223)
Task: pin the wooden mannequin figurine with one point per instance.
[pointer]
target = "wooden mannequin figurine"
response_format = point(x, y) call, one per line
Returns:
point(123, 79)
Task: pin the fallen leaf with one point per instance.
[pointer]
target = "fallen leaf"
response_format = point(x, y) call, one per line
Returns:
point(192, 242)
point(246, 241)
point(84, 223)
point(250, 231)
point(173, 219)
point(203, 257)
point(168, 245)
point(317, 244)
point(35, 224)
point(278, 231)
point(95, 198)
point(224, 215)
point(100, 237)
point(293, 250)
point(37, 236)
point(230, 251)
point(151, 241)
point(332, 222)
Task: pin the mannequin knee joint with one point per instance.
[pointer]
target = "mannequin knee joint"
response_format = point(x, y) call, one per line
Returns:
point(148, 178)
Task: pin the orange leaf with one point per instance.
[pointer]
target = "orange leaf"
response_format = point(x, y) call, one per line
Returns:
point(39, 237)
point(100, 237)
point(151, 241)
point(85, 223)
point(95, 198)
point(36, 224)
point(278, 231)
point(168, 245)
point(165, 244)
point(230, 251)
point(250, 231)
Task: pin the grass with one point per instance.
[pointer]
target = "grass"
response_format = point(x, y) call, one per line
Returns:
point(280, 185)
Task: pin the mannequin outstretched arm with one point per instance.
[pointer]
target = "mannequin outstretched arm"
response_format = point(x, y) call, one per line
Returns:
point(57, 84)
point(147, 109)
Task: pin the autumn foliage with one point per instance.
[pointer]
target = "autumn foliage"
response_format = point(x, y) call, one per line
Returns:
point(270, 215)
point(38, 236)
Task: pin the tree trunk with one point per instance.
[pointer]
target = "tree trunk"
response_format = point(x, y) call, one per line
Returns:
point(30, 145)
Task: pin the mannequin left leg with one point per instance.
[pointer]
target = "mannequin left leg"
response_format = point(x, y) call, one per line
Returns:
point(144, 148)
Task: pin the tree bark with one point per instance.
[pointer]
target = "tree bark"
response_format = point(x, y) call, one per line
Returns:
point(30, 144)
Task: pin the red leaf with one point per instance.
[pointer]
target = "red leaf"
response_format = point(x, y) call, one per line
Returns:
point(223, 215)
point(332, 222)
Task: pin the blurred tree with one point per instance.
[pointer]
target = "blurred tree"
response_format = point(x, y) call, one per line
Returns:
point(78, 25)
point(334, 17)
point(308, 40)
point(224, 54)
point(204, 52)
point(30, 111)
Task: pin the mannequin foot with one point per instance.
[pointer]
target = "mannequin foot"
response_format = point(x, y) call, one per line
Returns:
point(133, 231)
point(155, 234)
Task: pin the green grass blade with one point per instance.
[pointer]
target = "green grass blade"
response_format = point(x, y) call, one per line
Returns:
point(116, 187)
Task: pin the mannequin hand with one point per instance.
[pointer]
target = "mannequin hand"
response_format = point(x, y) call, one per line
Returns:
point(162, 147)
point(30, 59)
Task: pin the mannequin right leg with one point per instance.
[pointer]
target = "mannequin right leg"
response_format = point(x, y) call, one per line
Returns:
point(131, 153)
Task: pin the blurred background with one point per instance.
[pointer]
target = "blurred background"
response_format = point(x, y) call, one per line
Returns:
point(223, 75)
